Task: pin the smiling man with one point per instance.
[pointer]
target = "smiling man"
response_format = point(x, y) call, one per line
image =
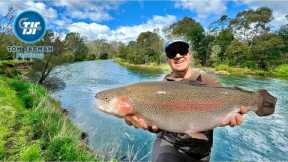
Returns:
point(177, 147)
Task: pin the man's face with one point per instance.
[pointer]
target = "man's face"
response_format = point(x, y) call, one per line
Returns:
point(179, 62)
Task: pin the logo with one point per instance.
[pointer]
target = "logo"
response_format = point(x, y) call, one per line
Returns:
point(29, 26)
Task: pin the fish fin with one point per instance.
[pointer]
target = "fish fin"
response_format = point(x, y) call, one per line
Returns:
point(197, 135)
point(266, 103)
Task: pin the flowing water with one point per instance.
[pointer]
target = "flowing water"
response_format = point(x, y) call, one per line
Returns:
point(257, 139)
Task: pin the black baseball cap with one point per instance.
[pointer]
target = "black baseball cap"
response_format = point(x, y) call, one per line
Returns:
point(175, 47)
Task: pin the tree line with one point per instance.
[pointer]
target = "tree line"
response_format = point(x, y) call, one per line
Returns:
point(246, 40)
point(243, 41)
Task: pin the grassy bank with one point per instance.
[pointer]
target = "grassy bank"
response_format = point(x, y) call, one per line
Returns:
point(34, 128)
point(280, 72)
point(147, 68)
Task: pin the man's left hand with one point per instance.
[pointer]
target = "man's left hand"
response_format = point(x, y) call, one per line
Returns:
point(235, 119)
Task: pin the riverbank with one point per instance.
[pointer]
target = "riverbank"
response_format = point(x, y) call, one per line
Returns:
point(147, 68)
point(33, 127)
point(280, 72)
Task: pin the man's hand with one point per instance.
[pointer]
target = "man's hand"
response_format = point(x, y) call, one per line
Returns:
point(139, 122)
point(235, 119)
point(135, 120)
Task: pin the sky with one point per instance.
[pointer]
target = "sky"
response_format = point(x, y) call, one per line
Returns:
point(124, 20)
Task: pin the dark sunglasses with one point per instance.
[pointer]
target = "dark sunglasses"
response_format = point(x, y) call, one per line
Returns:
point(177, 47)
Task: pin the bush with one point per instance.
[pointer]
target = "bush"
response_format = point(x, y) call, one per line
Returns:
point(28, 134)
point(28, 93)
point(32, 153)
point(223, 67)
point(62, 148)
point(281, 71)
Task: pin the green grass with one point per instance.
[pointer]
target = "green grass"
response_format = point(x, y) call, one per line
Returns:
point(281, 71)
point(226, 69)
point(145, 68)
point(33, 128)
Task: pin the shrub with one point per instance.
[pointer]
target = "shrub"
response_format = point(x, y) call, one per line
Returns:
point(281, 71)
point(32, 153)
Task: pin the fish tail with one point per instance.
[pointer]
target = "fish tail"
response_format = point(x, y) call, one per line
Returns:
point(266, 103)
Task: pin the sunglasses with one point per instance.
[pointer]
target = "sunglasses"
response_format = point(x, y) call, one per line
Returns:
point(177, 47)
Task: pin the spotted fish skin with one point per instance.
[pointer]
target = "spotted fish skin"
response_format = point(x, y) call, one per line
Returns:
point(183, 108)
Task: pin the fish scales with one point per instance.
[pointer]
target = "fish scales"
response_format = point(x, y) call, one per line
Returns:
point(178, 107)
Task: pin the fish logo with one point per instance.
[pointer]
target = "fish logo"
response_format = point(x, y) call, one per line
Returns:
point(29, 26)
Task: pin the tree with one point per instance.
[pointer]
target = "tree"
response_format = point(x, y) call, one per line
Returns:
point(194, 33)
point(237, 53)
point(267, 50)
point(6, 21)
point(250, 23)
point(41, 68)
point(220, 24)
point(152, 45)
point(99, 49)
point(6, 35)
point(75, 44)
point(189, 29)
point(204, 50)
point(223, 40)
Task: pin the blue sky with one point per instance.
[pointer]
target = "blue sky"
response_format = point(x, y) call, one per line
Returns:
point(124, 20)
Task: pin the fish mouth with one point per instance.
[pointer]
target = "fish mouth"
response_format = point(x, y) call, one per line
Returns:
point(107, 107)
point(100, 104)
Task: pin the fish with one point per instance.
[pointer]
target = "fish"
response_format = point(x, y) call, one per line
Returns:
point(183, 107)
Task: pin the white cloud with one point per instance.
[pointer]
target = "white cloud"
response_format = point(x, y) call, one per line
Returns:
point(92, 10)
point(203, 8)
point(48, 12)
point(125, 34)
point(91, 31)
point(70, 9)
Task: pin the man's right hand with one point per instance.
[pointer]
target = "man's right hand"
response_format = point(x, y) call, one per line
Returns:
point(135, 120)
point(139, 122)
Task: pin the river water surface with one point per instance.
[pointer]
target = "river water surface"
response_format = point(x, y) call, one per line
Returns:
point(257, 139)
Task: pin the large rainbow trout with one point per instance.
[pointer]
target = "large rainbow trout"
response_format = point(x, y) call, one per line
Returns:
point(180, 107)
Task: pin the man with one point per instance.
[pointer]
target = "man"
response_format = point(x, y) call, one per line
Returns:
point(177, 147)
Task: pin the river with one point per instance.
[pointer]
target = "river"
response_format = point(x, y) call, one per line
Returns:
point(257, 139)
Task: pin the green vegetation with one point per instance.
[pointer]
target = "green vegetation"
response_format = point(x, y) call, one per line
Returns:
point(243, 45)
point(278, 72)
point(240, 71)
point(33, 128)
point(146, 68)
point(281, 71)
point(244, 42)
point(146, 50)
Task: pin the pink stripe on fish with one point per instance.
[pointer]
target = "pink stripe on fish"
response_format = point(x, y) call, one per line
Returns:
point(189, 105)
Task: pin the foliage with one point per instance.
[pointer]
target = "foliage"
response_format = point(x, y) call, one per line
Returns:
point(281, 71)
point(75, 43)
point(194, 33)
point(237, 53)
point(267, 50)
point(250, 23)
point(147, 49)
point(241, 41)
point(30, 132)
point(223, 40)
